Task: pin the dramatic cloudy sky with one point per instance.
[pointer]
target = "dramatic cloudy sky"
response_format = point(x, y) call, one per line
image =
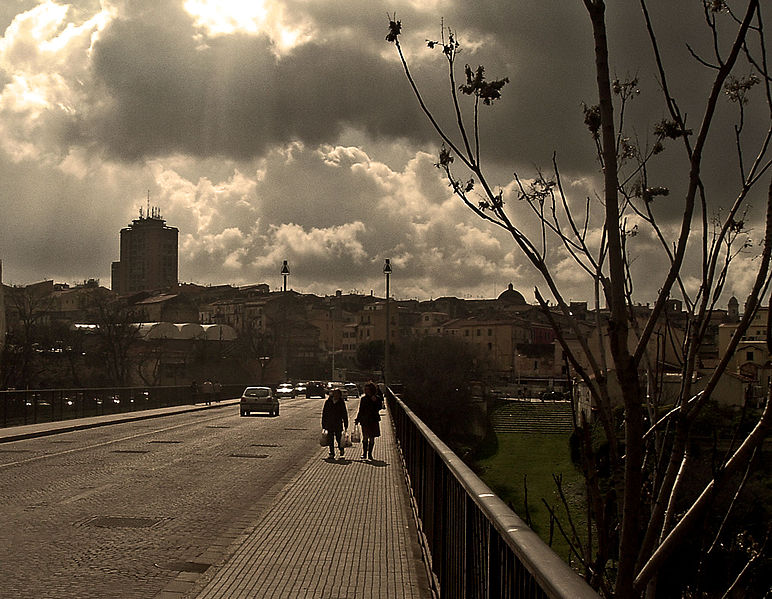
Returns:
point(285, 129)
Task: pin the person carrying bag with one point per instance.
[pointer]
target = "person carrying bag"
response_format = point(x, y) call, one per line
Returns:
point(369, 417)
point(335, 420)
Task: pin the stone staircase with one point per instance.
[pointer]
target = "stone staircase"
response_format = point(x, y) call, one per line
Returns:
point(549, 418)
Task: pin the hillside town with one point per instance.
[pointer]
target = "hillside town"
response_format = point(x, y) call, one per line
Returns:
point(56, 334)
point(151, 329)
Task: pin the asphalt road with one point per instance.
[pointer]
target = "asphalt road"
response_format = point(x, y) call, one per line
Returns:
point(121, 510)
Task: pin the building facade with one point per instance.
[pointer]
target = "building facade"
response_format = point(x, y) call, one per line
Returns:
point(148, 255)
point(2, 309)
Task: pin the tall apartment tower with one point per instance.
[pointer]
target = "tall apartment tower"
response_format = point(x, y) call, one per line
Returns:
point(148, 255)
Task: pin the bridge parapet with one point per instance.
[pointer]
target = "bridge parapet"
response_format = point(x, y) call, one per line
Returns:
point(474, 544)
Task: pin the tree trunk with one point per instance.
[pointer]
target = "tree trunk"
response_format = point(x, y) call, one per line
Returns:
point(619, 325)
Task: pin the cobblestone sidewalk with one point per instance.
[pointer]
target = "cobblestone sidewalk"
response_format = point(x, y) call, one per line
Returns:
point(341, 529)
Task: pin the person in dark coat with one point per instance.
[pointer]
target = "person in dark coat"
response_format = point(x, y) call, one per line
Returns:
point(335, 420)
point(368, 416)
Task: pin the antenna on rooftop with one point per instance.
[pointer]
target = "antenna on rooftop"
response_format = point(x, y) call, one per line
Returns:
point(148, 203)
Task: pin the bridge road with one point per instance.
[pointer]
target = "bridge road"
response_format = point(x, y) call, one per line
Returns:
point(159, 507)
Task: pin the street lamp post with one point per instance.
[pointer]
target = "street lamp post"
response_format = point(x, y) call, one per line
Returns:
point(285, 273)
point(332, 324)
point(387, 272)
point(263, 363)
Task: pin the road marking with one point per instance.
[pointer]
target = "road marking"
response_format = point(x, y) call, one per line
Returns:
point(110, 442)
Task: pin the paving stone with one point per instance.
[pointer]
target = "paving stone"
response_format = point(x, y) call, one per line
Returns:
point(341, 529)
point(109, 523)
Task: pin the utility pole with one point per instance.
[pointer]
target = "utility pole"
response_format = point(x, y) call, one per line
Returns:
point(285, 273)
point(387, 272)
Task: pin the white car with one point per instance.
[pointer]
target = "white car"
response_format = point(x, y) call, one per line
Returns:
point(285, 390)
point(258, 399)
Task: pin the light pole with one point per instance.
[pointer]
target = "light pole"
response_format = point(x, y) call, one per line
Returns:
point(263, 363)
point(332, 324)
point(285, 273)
point(387, 272)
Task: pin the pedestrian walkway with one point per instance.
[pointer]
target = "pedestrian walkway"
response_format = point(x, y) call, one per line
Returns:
point(341, 529)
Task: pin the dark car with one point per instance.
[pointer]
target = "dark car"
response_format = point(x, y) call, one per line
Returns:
point(258, 399)
point(315, 389)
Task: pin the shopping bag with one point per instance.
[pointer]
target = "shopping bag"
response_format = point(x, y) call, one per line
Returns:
point(346, 439)
point(356, 435)
point(324, 438)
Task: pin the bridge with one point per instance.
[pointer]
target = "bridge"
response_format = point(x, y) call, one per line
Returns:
point(195, 501)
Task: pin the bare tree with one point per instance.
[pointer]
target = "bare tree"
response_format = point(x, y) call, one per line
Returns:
point(117, 332)
point(28, 307)
point(644, 514)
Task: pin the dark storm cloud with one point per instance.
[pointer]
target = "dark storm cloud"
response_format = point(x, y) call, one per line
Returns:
point(231, 96)
point(166, 93)
point(547, 51)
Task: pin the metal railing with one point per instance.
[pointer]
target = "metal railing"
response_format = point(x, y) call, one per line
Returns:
point(31, 406)
point(475, 545)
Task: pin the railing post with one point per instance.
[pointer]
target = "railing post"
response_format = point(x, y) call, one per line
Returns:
point(469, 549)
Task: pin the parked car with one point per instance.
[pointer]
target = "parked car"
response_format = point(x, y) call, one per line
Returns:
point(351, 390)
point(552, 396)
point(285, 390)
point(300, 389)
point(315, 389)
point(258, 399)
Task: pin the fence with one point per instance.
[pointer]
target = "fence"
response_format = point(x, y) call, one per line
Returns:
point(31, 406)
point(476, 547)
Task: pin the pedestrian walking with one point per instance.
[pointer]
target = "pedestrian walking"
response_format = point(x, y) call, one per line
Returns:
point(335, 420)
point(207, 388)
point(369, 418)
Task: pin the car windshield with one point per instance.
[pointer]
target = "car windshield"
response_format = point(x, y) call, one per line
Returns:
point(257, 392)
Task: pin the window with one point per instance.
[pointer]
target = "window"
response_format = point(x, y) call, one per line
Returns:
point(490, 332)
point(478, 332)
point(466, 333)
point(490, 347)
point(749, 356)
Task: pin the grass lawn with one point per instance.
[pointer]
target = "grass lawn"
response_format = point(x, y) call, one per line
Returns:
point(537, 457)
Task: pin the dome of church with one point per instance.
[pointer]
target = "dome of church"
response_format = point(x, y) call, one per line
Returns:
point(511, 296)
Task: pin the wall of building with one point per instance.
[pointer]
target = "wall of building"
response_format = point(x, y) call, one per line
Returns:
point(148, 256)
point(2, 309)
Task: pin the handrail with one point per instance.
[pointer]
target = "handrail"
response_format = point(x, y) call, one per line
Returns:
point(478, 546)
point(32, 406)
